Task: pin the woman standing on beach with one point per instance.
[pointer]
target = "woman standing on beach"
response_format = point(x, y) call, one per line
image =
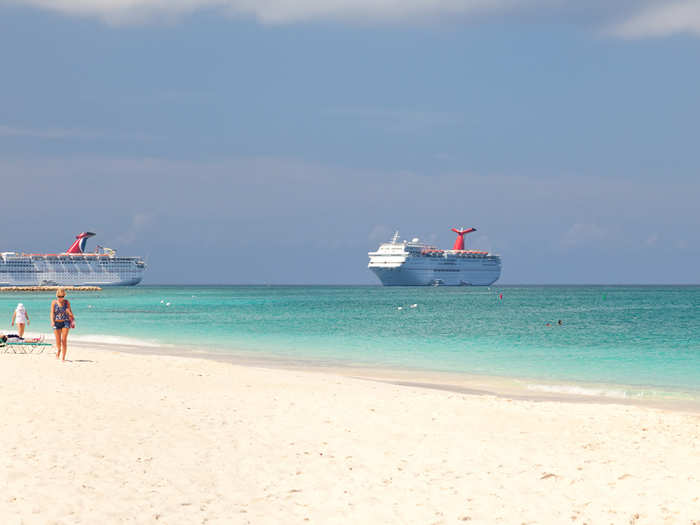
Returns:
point(62, 320)
point(21, 317)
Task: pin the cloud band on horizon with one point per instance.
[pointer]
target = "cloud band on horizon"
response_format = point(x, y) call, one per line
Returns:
point(644, 18)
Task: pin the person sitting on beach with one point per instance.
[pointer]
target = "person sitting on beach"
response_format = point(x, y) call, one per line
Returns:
point(21, 317)
point(62, 320)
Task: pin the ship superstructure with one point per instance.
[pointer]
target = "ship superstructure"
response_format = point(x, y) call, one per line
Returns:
point(75, 267)
point(414, 263)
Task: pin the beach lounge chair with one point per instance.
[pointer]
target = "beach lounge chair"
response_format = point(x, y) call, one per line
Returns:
point(28, 346)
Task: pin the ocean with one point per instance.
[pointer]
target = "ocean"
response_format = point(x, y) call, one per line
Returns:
point(621, 341)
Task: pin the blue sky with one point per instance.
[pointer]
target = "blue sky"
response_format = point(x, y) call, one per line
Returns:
point(289, 139)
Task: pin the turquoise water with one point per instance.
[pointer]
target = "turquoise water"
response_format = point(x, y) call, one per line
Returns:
point(645, 336)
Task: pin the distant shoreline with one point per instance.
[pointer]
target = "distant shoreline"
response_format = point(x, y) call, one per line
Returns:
point(377, 285)
point(17, 289)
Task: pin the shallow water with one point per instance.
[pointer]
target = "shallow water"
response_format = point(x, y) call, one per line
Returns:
point(642, 338)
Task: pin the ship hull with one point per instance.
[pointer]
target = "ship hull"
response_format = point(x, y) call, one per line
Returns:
point(70, 271)
point(124, 282)
point(403, 276)
point(71, 281)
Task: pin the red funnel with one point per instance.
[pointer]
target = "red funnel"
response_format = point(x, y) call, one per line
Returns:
point(79, 245)
point(459, 241)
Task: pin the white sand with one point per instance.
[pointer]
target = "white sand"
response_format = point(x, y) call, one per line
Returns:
point(121, 438)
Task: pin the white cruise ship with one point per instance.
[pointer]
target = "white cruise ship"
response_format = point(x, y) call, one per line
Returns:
point(75, 267)
point(413, 263)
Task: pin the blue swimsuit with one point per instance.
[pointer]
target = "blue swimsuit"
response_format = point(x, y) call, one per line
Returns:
point(60, 316)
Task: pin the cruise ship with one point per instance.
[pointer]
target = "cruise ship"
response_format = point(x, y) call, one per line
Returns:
point(413, 263)
point(75, 267)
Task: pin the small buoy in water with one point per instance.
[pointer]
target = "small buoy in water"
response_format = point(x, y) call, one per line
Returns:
point(161, 301)
point(167, 304)
point(89, 306)
point(414, 305)
point(400, 308)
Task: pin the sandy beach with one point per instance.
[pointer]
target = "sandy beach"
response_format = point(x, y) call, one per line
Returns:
point(123, 437)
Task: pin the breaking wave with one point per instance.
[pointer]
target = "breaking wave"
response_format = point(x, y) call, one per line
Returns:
point(116, 340)
point(579, 390)
point(648, 393)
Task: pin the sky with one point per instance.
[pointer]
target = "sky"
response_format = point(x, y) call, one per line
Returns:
point(246, 142)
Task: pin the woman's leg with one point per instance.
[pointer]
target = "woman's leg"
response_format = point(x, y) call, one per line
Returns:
point(20, 329)
point(57, 332)
point(64, 340)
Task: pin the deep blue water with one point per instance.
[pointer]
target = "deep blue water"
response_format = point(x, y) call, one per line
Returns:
point(615, 335)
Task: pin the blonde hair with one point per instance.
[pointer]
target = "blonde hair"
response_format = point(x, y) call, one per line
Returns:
point(60, 291)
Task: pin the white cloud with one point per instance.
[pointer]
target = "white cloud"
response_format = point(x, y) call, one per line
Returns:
point(662, 19)
point(626, 18)
point(281, 11)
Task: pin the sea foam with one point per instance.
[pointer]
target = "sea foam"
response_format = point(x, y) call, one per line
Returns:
point(579, 390)
point(115, 340)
